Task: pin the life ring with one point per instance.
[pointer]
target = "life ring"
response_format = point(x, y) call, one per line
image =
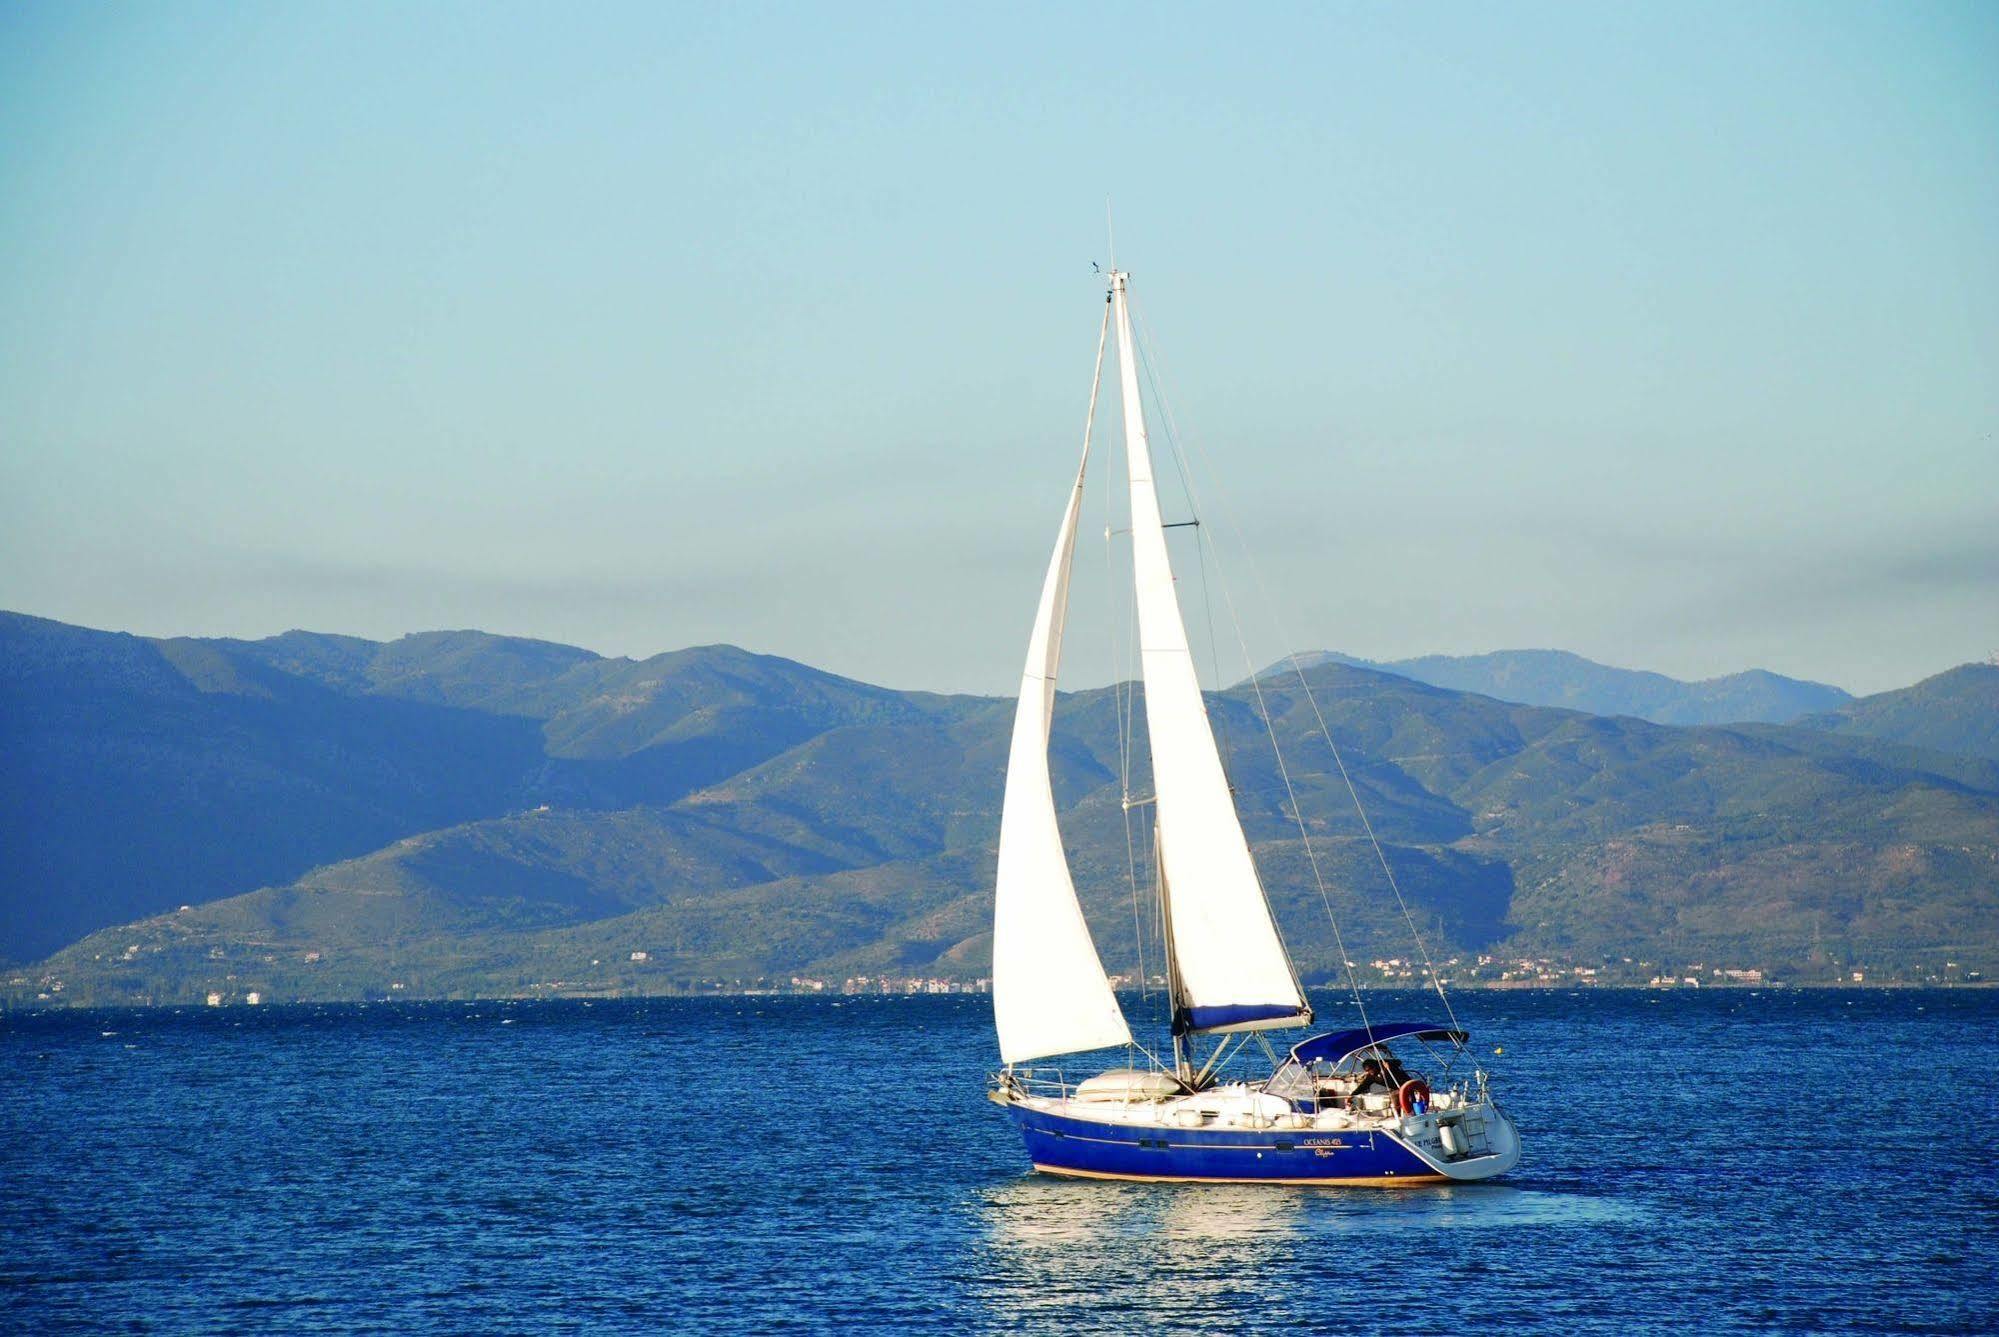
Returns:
point(1409, 1093)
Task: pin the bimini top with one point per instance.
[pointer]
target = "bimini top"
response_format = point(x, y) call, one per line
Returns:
point(1337, 1045)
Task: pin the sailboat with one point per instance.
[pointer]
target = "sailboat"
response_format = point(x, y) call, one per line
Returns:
point(1388, 1104)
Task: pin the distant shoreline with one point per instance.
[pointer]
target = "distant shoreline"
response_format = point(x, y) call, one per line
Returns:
point(11, 1007)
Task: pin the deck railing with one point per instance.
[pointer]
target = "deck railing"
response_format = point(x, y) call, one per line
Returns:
point(1054, 1084)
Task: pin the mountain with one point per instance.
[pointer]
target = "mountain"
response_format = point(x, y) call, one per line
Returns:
point(1956, 711)
point(540, 814)
point(137, 775)
point(1558, 678)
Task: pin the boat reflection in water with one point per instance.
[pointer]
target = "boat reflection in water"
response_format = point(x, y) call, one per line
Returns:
point(1179, 1258)
point(1136, 1250)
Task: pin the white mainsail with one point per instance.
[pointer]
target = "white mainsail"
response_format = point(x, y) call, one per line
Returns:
point(1050, 995)
point(1232, 970)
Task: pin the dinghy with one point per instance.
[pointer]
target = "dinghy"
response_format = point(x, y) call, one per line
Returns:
point(1385, 1104)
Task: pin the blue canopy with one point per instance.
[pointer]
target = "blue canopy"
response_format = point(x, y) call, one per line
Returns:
point(1336, 1045)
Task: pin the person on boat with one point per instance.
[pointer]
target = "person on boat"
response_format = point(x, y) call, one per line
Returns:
point(1379, 1074)
point(1369, 1079)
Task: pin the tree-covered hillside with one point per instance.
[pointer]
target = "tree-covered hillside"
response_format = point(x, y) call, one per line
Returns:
point(1957, 711)
point(140, 775)
point(541, 814)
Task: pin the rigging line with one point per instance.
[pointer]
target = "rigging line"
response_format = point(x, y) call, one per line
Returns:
point(1219, 716)
point(1128, 736)
point(1133, 1044)
point(1212, 1068)
point(1204, 553)
point(1137, 920)
point(1381, 856)
point(1263, 713)
point(1141, 344)
point(1298, 816)
point(1157, 917)
point(1119, 690)
point(1127, 673)
point(1353, 792)
point(1123, 695)
point(1162, 916)
point(1110, 594)
point(1256, 572)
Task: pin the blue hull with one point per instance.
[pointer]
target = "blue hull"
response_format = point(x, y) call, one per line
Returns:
point(1061, 1145)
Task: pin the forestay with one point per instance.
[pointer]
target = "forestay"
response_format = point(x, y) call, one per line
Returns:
point(1050, 995)
point(1232, 969)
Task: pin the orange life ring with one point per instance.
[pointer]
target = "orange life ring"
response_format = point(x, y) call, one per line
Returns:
point(1409, 1093)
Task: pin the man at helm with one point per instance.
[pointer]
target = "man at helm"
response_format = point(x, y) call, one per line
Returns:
point(1378, 1073)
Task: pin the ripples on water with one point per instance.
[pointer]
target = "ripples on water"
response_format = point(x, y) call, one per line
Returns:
point(1728, 1160)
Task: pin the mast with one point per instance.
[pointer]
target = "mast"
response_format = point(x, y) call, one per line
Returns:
point(1230, 969)
point(1050, 993)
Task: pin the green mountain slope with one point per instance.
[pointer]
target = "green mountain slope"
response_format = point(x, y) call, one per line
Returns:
point(139, 775)
point(128, 786)
point(866, 848)
point(1957, 711)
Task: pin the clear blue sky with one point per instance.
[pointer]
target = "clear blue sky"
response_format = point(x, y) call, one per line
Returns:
point(1664, 335)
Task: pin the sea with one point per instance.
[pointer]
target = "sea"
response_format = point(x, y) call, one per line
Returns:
point(1727, 1160)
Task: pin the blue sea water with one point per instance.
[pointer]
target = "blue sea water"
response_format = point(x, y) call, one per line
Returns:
point(1725, 1160)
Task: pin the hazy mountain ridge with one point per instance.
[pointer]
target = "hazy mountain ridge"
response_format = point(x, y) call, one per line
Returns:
point(778, 820)
point(1560, 679)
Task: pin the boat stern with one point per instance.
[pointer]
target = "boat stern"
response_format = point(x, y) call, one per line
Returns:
point(1473, 1143)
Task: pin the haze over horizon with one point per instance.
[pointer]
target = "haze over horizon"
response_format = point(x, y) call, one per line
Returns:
point(1668, 338)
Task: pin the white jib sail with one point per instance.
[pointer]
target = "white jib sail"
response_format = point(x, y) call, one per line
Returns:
point(1233, 971)
point(1050, 995)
